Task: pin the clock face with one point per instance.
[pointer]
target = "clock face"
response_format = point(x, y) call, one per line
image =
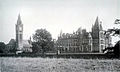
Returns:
point(20, 28)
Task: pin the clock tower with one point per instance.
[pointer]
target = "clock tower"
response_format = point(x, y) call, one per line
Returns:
point(19, 34)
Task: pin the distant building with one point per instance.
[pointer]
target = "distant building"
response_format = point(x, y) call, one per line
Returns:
point(10, 47)
point(83, 41)
point(22, 45)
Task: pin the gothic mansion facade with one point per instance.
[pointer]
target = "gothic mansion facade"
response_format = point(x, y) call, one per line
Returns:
point(83, 41)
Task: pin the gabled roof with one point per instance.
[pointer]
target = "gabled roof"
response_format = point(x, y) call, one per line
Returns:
point(26, 44)
point(97, 25)
point(11, 42)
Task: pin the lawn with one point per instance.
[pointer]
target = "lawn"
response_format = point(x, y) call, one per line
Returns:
point(24, 64)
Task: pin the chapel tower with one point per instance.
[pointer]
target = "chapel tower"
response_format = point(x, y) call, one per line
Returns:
point(19, 34)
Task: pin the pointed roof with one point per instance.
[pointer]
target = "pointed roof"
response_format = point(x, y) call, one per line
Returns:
point(19, 20)
point(97, 25)
point(11, 42)
point(79, 29)
point(96, 22)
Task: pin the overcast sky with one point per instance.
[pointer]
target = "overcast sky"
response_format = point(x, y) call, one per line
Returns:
point(55, 15)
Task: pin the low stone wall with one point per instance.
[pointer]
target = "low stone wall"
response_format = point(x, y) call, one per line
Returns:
point(63, 55)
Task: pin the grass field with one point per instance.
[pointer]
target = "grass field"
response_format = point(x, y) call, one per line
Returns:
point(24, 64)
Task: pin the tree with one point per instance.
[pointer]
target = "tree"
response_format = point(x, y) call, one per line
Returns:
point(42, 40)
point(115, 32)
point(2, 47)
point(36, 48)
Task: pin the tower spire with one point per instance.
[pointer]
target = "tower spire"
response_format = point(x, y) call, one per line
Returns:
point(97, 21)
point(19, 19)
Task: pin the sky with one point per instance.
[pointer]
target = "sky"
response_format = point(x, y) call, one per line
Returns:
point(55, 15)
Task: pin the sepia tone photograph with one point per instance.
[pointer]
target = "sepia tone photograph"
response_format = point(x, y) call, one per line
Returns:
point(59, 35)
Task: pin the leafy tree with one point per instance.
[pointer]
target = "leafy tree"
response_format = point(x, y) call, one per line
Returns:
point(36, 48)
point(115, 32)
point(2, 47)
point(51, 46)
point(42, 40)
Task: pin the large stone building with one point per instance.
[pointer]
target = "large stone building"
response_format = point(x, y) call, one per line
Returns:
point(22, 45)
point(83, 41)
point(19, 44)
